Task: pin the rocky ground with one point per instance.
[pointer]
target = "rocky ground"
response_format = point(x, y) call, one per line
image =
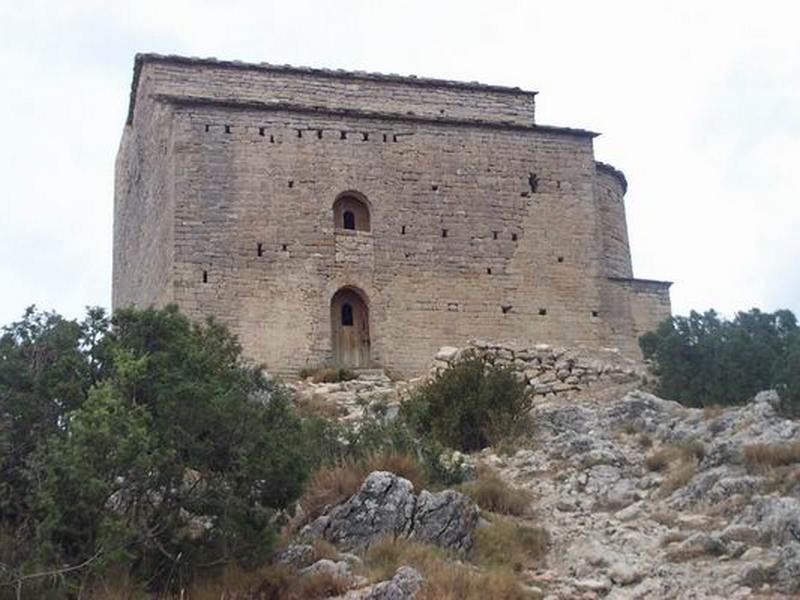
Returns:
point(705, 525)
point(642, 497)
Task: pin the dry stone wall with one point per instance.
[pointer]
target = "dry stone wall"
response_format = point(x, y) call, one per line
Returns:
point(547, 369)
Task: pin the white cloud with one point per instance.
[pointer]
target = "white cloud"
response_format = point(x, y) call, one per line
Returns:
point(699, 104)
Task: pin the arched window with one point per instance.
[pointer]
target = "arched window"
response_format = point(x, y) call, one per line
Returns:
point(347, 315)
point(351, 212)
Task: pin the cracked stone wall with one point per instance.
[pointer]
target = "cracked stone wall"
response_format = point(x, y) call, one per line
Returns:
point(226, 209)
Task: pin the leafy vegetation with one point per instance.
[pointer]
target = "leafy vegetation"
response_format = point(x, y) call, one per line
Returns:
point(704, 360)
point(142, 453)
point(146, 444)
point(469, 405)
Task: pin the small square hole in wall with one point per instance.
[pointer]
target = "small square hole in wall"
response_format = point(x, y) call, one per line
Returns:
point(394, 138)
point(513, 237)
point(319, 134)
point(489, 270)
point(444, 233)
point(495, 235)
point(435, 188)
point(227, 128)
point(385, 137)
point(261, 131)
point(291, 183)
point(272, 139)
point(299, 133)
point(342, 135)
point(284, 247)
point(542, 311)
point(403, 230)
point(365, 136)
point(208, 128)
point(205, 276)
point(260, 249)
point(595, 314)
point(560, 259)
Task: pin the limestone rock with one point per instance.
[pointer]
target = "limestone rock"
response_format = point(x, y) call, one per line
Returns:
point(446, 519)
point(404, 585)
point(386, 506)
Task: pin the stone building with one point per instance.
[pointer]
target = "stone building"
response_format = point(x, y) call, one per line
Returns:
point(365, 219)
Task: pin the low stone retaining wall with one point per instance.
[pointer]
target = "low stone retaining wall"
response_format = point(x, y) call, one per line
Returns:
point(549, 369)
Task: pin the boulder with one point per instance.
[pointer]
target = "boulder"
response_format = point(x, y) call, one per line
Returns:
point(386, 506)
point(404, 585)
point(446, 519)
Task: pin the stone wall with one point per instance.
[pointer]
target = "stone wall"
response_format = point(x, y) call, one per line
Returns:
point(144, 208)
point(649, 301)
point(479, 227)
point(549, 370)
point(314, 89)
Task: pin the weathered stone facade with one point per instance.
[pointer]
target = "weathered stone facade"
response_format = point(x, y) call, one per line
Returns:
point(438, 211)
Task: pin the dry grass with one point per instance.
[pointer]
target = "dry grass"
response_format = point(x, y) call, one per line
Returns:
point(445, 578)
point(673, 537)
point(319, 406)
point(318, 585)
point(667, 519)
point(644, 440)
point(493, 494)
point(762, 457)
point(679, 462)
point(693, 552)
point(660, 458)
point(332, 485)
point(678, 475)
point(712, 412)
point(782, 480)
point(384, 557)
point(268, 583)
point(456, 582)
point(506, 544)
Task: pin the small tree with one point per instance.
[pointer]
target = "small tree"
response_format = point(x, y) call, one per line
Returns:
point(704, 360)
point(160, 451)
point(469, 405)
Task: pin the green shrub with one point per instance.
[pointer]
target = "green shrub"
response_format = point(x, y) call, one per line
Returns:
point(469, 405)
point(149, 447)
point(330, 443)
point(703, 360)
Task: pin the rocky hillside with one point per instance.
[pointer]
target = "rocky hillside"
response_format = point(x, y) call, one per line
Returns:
point(641, 497)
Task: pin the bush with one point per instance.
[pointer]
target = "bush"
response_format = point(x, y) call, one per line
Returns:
point(469, 405)
point(152, 447)
point(702, 360)
point(493, 494)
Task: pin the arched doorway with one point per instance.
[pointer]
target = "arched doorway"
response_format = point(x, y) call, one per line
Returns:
point(350, 328)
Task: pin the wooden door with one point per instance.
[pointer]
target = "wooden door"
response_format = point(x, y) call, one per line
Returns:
point(350, 329)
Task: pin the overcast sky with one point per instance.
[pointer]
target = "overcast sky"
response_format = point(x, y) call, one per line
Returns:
point(697, 102)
